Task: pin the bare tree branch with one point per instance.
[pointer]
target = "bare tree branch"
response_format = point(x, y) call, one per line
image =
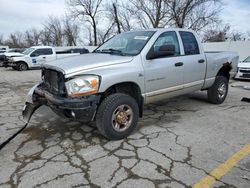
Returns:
point(86, 10)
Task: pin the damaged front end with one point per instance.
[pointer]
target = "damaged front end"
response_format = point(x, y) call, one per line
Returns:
point(52, 93)
point(30, 106)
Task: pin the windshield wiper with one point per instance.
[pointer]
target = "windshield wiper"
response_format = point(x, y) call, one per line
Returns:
point(111, 51)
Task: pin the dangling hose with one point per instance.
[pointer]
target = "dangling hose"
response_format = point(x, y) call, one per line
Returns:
point(12, 137)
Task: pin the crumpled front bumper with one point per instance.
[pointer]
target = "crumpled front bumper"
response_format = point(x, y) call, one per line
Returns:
point(30, 107)
point(82, 108)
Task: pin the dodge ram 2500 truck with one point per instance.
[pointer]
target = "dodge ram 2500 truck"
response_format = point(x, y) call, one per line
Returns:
point(34, 57)
point(111, 85)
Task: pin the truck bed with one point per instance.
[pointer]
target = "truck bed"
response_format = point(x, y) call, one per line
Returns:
point(215, 58)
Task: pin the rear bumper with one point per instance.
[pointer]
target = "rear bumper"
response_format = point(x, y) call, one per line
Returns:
point(81, 109)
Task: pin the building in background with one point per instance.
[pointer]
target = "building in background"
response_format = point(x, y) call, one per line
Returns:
point(242, 47)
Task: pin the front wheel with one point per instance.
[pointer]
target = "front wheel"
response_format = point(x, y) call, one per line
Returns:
point(22, 67)
point(218, 92)
point(117, 116)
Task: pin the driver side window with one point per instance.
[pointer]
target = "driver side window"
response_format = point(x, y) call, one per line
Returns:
point(34, 54)
point(167, 38)
point(38, 52)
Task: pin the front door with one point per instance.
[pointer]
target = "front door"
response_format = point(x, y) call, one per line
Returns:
point(164, 76)
point(41, 56)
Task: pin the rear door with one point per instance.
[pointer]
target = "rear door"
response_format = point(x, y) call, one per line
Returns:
point(194, 68)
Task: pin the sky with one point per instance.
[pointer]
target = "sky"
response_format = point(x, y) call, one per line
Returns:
point(20, 15)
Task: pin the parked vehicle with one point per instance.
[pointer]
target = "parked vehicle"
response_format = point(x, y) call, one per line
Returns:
point(2, 56)
point(243, 71)
point(10, 53)
point(33, 57)
point(111, 85)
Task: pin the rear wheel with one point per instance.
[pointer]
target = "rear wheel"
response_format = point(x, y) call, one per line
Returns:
point(218, 92)
point(22, 66)
point(117, 116)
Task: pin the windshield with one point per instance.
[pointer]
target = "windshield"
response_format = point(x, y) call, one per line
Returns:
point(27, 51)
point(130, 43)
point(12, 50)
point(247, 60)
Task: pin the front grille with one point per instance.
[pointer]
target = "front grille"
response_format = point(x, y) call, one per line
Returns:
point(245, 70)
point(246, 75)
point(53, 81)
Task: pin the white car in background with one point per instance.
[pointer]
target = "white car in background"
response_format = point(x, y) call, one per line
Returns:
point(34, 57)
point(244, 69)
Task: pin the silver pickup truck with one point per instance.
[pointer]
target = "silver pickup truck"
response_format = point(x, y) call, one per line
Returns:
point(111, 85)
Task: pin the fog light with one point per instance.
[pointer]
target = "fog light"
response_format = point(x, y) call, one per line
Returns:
point(73, 114)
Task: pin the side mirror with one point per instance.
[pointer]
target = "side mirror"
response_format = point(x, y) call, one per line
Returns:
point(164, 51)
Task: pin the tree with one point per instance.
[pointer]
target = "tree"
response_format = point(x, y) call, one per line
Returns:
point(46, 37)
point(88, 11)
point(32, 37)
point(119, 13)
point(71, 32)
point(248, 35)
point(193, 14)
point(116, 17)
point(15, 40)
point(150, 13)
point(53, 27)
point(103, 35)
point(216, 34)
point(1, 39)
point(237, 36)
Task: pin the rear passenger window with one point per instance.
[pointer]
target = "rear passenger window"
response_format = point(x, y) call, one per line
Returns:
point(190, 44)
point(46, 51)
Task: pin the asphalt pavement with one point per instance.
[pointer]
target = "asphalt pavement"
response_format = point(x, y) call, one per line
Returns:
point(181, 142)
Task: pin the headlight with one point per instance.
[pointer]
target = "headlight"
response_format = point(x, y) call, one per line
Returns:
point(82, 86)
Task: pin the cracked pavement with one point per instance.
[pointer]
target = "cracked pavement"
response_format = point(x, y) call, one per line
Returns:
point(178, 142)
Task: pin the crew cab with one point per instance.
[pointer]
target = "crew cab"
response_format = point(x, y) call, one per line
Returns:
point(111, 85)
point(243, 72)
point(34, 57)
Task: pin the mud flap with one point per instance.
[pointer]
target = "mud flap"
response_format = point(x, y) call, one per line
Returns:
point(28, 111)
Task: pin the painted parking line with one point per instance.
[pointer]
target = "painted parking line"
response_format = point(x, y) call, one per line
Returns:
point(223, 168)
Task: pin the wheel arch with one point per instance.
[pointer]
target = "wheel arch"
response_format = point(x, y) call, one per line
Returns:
point(130, 88)
point(225, 70)
point(20, 62)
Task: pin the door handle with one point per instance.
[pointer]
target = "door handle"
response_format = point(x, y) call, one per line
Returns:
point(201, 61)
point(179, 64)
point(44, 57)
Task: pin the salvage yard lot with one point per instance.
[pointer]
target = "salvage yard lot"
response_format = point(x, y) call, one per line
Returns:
point(177, 143)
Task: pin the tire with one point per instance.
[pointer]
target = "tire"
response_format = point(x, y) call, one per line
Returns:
point(22, 67)
point(117, 116)
point(218, 92)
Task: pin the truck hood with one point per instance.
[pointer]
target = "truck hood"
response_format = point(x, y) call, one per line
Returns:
point(13, 54)
point(244, 65)
point(83, 62)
